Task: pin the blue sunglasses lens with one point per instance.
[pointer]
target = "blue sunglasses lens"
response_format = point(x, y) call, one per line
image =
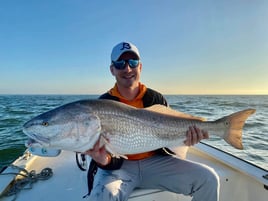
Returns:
point(133, 63)
point(120, 65)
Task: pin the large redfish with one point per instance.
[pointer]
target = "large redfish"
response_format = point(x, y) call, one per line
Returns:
point(124, 129)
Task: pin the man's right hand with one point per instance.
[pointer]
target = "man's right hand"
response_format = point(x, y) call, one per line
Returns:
point(99, 154)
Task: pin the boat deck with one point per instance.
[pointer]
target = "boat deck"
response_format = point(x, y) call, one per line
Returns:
point(70, 183)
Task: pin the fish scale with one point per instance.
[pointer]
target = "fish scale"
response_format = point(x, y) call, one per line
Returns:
point(146, 133)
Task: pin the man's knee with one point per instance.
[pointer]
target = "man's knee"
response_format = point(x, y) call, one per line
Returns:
point(109, 192)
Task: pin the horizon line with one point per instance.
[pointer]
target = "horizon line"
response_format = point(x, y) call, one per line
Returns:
point(96, 94)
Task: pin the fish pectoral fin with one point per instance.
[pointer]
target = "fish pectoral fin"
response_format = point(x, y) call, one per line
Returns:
point(109, 148)
point(103, 141)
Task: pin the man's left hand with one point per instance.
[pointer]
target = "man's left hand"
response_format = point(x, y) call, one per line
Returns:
point(195, 135)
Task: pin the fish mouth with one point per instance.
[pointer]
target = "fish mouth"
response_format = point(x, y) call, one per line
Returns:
point(37, 141)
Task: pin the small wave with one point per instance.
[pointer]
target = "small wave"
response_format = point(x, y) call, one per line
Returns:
point(10, 121)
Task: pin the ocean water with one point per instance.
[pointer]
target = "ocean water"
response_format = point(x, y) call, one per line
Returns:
point(15, 110)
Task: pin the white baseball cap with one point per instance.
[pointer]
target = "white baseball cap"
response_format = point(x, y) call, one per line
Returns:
point(122, 47)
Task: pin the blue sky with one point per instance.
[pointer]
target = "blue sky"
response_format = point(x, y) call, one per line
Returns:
point(186, 46)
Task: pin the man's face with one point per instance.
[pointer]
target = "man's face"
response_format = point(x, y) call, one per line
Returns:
point(127, 77)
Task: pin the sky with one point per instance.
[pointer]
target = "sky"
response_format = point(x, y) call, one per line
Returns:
point(186, 46)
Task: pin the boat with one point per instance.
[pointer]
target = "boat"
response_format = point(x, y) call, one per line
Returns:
point(60, 178)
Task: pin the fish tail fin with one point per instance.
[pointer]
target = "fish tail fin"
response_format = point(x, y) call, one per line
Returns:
point(235, 123)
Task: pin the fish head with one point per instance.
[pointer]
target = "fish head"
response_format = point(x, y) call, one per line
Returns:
point(70, 127)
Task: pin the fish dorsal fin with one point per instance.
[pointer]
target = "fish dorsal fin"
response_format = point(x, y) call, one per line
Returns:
point(168, 111)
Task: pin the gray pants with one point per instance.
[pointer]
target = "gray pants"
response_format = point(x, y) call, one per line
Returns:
point(158, 172)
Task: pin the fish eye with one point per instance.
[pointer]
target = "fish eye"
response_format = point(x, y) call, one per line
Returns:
point(45, 123)
point(227, 123)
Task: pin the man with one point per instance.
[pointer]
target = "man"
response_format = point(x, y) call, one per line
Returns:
point(117, 178)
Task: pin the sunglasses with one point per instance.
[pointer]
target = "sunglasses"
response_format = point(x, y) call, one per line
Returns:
point(121, 64)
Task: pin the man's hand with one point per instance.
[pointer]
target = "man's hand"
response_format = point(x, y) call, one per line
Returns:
point(195, 135)
point(99, 154)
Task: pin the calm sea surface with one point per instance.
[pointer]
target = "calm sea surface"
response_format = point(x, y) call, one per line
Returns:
point(15, 110)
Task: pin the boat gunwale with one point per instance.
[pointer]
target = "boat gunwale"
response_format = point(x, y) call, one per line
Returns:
point(247, 168)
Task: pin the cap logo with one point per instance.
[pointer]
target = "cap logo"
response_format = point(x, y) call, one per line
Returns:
point(125, 46)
